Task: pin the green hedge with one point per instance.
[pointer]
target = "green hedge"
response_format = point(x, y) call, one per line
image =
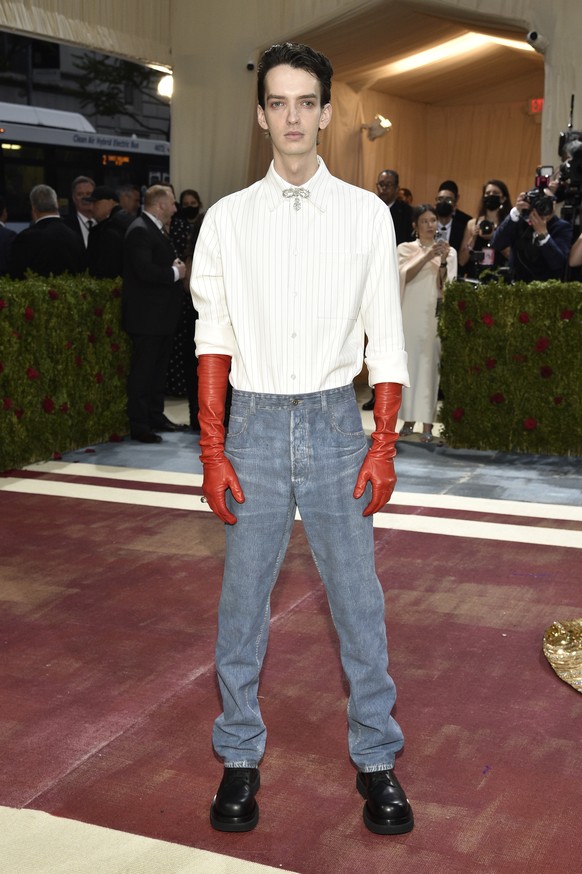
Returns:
point(63, 366)
point(511, 368)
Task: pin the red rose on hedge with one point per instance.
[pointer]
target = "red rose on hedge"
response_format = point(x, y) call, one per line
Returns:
point(462, 304)
point(64, 408)
point(542, 344)
point(488, 320)
point(3, 304)
point(524, 318)
point(48, 405)
point(8, 403)
point(29, 314)
point(32, 373)
point(566, 315)
point(530, 424)
point(458, 414)
point(88, 407)
point(497, 398)
point(491, 363)
point(54, 295)
point(546, 372)
point(469, 325)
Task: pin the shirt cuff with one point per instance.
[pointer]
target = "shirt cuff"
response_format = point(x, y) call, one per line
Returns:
point(515, 214)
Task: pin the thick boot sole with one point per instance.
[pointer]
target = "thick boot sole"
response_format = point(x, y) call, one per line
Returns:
point(234, 823)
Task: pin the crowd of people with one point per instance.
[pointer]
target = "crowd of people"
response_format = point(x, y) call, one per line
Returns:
point(438, 242)
point(109, 233)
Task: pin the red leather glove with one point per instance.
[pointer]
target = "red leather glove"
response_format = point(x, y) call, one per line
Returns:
point(219, 473)
point(378, 466)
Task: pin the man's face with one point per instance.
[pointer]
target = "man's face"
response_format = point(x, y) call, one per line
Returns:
point(386, 188)
point(293, 114)
point(102, 209)
point(80, 191)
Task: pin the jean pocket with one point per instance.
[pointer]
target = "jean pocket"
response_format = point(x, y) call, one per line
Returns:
point(346, 420)
point(237, 424)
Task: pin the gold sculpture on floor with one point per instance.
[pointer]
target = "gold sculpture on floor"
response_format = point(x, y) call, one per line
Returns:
point(563, 650)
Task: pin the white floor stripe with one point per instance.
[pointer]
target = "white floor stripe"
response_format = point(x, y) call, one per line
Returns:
point(402, 522)
point(60, 489)
point(480, 530)
point(131, 474)
point(34, 842)
point(404, 499)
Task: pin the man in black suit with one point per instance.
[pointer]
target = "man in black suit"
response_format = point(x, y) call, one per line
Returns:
point(152, 302)
point(48, 246)
point(81, 218)
point(452, 221)
point(401, 212)
point(387, 187)
point(106, 239)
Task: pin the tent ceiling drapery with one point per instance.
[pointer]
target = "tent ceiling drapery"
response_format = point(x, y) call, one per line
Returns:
point(362, 46)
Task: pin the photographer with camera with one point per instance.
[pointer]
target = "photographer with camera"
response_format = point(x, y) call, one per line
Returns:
point(477, 253)
point(539, 240)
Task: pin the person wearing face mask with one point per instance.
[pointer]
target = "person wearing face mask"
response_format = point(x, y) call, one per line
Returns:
point(451, 220)
point(190, 208)
point(494, 206)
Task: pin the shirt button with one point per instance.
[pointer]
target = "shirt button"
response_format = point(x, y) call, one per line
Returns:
point(293, 336)
point(293, 376)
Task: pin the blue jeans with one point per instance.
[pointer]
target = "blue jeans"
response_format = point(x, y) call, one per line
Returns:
point(301, 451)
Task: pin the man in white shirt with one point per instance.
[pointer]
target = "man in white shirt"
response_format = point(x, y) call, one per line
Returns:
point(287, 276)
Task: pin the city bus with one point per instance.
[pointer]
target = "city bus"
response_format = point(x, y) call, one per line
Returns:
point(53, 147)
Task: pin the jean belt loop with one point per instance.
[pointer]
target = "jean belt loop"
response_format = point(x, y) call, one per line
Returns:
point(323, 396)
point(253, 404)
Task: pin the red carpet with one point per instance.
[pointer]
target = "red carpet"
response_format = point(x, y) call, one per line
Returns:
point(108, 691)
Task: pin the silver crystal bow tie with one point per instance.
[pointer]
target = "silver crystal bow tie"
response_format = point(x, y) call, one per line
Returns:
point(297, 193)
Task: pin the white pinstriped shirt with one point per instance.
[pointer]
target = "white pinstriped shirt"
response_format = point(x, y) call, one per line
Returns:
point(289, 293)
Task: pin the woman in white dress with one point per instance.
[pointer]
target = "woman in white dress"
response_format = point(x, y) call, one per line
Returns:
point(425, 265)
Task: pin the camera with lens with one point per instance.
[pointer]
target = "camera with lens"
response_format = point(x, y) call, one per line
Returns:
point(540, 201)
point(486, 227)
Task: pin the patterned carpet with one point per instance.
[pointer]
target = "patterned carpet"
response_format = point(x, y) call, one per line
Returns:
point(109, 585)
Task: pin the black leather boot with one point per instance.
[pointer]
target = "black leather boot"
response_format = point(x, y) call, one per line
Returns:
point(234, 808)
point(387, 810)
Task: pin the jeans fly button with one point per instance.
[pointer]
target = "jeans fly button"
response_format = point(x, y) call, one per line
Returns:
point(294, 402)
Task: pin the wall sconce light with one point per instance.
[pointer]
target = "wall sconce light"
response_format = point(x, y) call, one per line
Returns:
point(377, 128)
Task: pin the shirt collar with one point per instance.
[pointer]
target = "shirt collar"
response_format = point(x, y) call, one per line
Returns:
point(273, 186)
point(155, 219)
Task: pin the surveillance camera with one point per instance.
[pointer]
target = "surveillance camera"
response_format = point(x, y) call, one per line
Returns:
point(537, 41)
point(250, 66)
